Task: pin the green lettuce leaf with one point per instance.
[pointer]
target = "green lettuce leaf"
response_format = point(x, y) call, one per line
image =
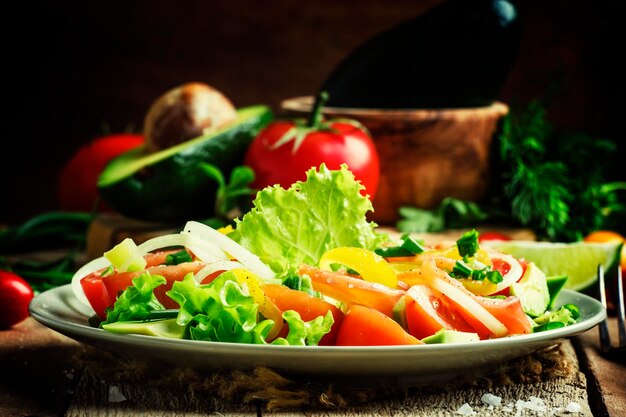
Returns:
point(550, 320)
point(287, 228)
point(303, 333)
point(220, 311)
point(138, 300)
point(223, 311)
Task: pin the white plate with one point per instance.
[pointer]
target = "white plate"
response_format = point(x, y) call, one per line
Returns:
point(60, 310)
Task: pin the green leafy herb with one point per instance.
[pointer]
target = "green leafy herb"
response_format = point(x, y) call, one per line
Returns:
point(138, 300)
point(233, 196)
point(287, 228)
point(553, 182)
point(451, 213)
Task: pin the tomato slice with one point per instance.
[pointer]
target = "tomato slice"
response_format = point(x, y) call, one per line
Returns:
point(307, 306)
point(508, 311)
point(117, 283)
point(352, 290)
point(427, 313)
point(96, 293)
point(363, 326)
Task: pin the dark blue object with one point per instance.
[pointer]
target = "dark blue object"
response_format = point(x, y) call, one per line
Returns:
point(456, 55)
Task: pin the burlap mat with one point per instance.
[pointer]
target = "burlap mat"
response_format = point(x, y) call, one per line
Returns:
point(114, 386)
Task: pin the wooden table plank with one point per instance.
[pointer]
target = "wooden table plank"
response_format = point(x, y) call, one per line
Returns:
point(607, 377)
point(38, 373)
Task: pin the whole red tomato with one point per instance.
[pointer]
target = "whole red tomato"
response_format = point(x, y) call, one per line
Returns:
point(487, 236)
point(15, 295)
point(78, 188)
point(285, 150)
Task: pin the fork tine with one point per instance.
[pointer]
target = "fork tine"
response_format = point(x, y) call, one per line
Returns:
point(605, 338)
point(621, 325)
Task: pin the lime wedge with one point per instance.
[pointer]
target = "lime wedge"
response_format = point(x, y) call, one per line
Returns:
point(577, 260)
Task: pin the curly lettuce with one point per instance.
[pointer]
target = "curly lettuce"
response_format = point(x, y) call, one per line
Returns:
point(223, 311)
point(137, 301)
point(287, 228)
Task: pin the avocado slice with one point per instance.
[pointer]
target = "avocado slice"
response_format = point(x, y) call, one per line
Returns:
point(168, 186)
point(163, 328)
point(399, 313)
point(451, 336)
point(532, 290)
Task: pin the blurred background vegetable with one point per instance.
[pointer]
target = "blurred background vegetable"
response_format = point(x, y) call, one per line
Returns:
point(552, 181)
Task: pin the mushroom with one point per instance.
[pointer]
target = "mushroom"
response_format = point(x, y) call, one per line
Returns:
point(186, 112)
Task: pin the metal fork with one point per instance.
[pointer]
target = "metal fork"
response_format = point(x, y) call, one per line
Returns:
point(605, 338)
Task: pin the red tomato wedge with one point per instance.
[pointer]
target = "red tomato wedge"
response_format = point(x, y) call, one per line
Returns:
point(508, 311)
point(96, 294)
point(350, 290)
point(463, 301)
point(427, 313)
point(119, 282)
point(307, 306)
point(363, 326)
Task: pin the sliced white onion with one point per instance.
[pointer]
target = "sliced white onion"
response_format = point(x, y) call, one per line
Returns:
point(247, 258)
point(205, 250)
point(514, 274)
point(494, 325)
point(90, 267)
point(164, 241)
point(216, 266)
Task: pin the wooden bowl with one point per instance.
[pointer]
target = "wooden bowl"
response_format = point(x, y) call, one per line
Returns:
point(425, 155)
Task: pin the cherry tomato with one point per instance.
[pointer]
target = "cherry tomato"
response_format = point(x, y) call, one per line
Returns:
point(285, 150)
point(484, 237)
point(15, 295)
point(78, 188)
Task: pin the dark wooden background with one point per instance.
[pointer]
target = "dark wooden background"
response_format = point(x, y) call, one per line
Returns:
point(77, 69)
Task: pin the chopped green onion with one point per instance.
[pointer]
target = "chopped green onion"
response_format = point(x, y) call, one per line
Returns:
point(573, 309)
point(460, 269)
point(468, 243)
point(392, 252)
point(412, 245)
point(496, 297)
point(494, 276)
point(178, 258)
point(479, 274)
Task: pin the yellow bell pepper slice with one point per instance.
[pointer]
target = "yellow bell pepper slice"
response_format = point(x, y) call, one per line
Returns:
point(370, 266)
point(266, 306)
point(484, 287)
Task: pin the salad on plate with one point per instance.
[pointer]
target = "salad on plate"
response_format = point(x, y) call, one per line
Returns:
point(305, 267)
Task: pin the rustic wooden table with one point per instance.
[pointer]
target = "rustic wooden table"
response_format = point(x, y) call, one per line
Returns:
point(40, 375)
